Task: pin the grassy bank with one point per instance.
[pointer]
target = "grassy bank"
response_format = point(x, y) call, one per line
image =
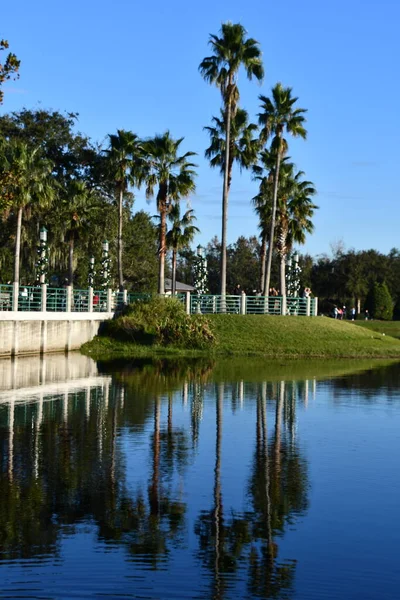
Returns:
point(391, 328)
point(269, 336)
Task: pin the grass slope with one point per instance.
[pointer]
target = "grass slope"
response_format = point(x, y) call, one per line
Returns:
point(387, 327)
point(272, 336)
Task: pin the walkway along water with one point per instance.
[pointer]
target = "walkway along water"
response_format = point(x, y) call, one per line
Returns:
point(39, 319)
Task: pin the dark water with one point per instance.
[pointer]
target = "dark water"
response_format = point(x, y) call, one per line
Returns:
point(209, 481)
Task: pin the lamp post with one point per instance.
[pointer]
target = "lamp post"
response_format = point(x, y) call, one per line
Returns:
point(200, 271)
point(293, 275)
point(105, 265)
point(92, 272)
point(43, 259)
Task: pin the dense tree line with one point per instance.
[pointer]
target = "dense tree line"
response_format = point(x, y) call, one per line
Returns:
point(348, 278)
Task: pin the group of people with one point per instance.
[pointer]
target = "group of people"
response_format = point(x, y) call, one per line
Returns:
point(341, 313)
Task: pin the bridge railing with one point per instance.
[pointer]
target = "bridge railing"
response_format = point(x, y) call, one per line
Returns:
point(6, 296)
point(68, 299)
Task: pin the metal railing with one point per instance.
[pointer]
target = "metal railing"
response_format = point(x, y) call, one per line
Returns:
point(260, 305)
point(56, 299)
point(30, 298)
point(99, 300)
point(252, 305)
point(6, 297)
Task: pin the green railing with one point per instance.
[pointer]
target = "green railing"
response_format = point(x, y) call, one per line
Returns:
point(260, 305)
point(296, 306)
point(215, 304)
point(132, 298)
point(99, 300)
point(250, 305)
point(56, 299)
point(6, 297)
point(30, 298)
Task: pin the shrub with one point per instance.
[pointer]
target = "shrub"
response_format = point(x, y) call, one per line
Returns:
point(379, 302)
point(161, 321)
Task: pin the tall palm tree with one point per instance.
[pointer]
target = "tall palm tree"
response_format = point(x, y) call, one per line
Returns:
point(243, 145)
point(173, 175)
point(264, 173)
point(230, 51)
point(125, 165)
point(180, 235)
point(278, 116)
point(25, 182)
point(296, 210)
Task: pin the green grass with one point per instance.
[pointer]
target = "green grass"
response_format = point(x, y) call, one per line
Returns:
point(391, 328)
point(269, 336)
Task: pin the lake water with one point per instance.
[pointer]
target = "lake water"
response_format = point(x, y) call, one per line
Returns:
point(199, 480)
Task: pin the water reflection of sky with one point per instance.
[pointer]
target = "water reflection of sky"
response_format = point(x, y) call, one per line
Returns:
point(140, 483)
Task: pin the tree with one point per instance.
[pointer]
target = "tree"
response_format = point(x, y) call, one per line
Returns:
point(277, 117)
point(77, 212)
point(380, 303)
point(140, 253)
point(9, 68)
point(173, 175)
point(231, 51)
point(124, 166)
point(296, 210)
point(264, 173)
point(243, 145)
point(70, 152)
point(180, 235)
point(243, 262)
point(25, 182)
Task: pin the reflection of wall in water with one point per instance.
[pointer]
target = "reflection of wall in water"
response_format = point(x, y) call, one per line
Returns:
point(30, 371)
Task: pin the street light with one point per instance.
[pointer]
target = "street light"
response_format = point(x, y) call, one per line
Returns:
point(43, 260)
point(92, 272)
point(43, 234)
point(105, 265)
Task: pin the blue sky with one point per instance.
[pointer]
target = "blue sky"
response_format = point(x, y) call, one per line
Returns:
point(133, 65)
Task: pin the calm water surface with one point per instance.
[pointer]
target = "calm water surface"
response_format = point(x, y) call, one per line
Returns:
point(211, 481)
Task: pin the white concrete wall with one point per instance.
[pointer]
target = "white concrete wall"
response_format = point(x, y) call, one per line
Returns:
point(37, 333)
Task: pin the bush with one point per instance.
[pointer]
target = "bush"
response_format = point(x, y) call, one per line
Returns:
point(161, 321)
point(379, 302)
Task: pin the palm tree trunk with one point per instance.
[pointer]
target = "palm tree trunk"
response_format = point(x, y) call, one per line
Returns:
point(282, 275)
point(154, 499)
point(264, 428)
point(278, 427)
point(120, 273)
point(71, 262)
point(174, 252)
point(263, 256)
point(273, 218)
point(225, 196)
point(17, 246)
point(161, 263)
point(218, 518)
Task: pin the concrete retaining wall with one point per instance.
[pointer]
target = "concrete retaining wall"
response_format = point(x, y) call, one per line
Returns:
point(47, 332)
